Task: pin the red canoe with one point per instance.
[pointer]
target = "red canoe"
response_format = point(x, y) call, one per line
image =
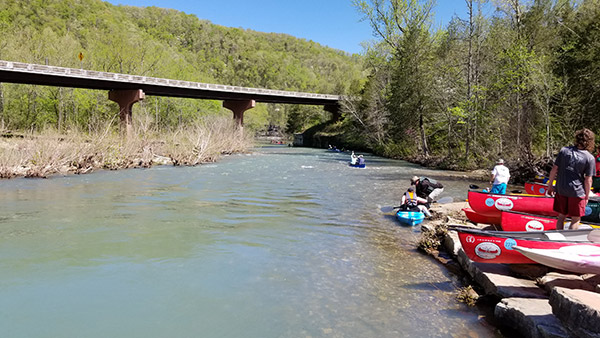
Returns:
point(535, 188)
point(478, 218)
point(492, 205)
point(497, 246)
point(518, 221)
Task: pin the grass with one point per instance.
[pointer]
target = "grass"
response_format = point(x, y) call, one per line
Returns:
point(467, 295)
point(46, 153)
point(431, 240)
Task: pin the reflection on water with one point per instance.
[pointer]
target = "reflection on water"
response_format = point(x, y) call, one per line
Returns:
point(284, 242)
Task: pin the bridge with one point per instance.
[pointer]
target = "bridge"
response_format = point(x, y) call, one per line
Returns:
point(128, 89)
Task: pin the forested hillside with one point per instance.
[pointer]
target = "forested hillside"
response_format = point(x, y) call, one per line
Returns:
point(515, 82)
point(161, 43)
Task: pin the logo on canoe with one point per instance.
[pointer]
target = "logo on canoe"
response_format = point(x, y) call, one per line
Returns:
point(534, 226)
point(489, 202)
point(504, 204)
point(470, 239)
point(509, 243)
point(487, 250)
point(588, 211)
point(542, 191)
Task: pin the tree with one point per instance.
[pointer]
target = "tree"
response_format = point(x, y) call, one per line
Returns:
point(403, 27)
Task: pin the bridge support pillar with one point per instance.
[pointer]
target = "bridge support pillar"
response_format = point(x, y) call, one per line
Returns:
point(238, 107)
point(126, 99)
point(334, 109)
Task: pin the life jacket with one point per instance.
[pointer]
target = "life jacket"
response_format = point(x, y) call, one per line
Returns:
point(411, 199)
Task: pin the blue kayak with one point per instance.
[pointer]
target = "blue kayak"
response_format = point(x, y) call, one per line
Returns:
point(358, 165)
point(410, 218)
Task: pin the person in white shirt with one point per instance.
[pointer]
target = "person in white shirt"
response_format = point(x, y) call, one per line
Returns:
point(500, 177)
point(353, 158)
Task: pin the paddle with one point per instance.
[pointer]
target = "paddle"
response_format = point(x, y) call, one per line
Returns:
point(476, 187)
point(388, 209)
point(443, 200)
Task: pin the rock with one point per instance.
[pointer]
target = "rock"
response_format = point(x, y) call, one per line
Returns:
point(530, 317)
point(480, 174)
point(428, 227)
point(592, 279)
point(569, 281)
point(162, 160)
point(529, 271)
point(452, 243)
point(577, 310)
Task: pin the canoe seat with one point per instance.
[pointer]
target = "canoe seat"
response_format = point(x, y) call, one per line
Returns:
point(554, 236)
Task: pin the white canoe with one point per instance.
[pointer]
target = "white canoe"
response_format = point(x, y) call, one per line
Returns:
point(581, 258)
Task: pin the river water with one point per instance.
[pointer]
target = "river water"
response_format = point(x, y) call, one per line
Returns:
point(284, 242)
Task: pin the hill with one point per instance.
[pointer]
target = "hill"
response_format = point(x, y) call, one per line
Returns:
point(163, 43)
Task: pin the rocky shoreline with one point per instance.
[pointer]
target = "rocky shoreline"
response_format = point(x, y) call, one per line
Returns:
point(530, 300)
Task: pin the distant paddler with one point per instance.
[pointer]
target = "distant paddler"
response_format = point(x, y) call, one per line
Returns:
point(353, 158)
point(361, 161)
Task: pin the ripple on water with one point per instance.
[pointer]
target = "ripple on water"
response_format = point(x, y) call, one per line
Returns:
point(256, 246)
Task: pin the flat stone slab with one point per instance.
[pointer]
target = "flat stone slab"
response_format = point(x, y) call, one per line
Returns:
point(530, 317)
point(569, 281)
point(498, 279)
point(452, 243)
point(577, 310)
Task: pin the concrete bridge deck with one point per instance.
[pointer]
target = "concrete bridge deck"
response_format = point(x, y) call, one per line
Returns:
point(27, 73)
point(126, 89)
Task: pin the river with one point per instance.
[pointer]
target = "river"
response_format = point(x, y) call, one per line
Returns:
point(283, 242)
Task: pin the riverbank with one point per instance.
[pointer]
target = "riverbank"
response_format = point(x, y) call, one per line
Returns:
point(47, 153)
point(531, 300)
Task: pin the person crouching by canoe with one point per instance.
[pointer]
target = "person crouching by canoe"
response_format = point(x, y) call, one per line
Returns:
point(427, 188)
point(573, 170)
point(412, 202)
point(353, 159)
point(500, 177)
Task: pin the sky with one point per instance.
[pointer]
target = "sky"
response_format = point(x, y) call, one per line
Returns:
point(333, 23)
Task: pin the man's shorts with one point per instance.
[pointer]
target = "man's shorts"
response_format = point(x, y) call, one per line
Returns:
point(499, 189)
point(570, 206)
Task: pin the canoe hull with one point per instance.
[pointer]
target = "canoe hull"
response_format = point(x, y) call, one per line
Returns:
point(498, 247)
point(478, 218)
point(492, 205)
point(536, 188)
point(410, 218)
point(517, 221)
point(576, 258)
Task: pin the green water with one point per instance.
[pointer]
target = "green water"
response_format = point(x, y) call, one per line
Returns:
point(284, 242)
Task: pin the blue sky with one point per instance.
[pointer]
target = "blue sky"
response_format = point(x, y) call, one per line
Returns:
point(333, 23)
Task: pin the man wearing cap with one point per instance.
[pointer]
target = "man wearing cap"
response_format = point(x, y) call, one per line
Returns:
point(500, 177)
point(427, 188)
